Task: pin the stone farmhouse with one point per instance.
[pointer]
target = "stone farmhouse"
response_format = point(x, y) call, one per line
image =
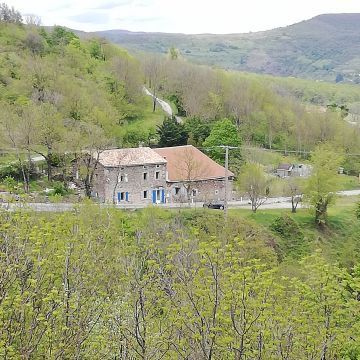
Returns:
point(134, 175)
point(152, 176)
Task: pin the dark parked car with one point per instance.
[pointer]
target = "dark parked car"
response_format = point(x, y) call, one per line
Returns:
point(214, 205)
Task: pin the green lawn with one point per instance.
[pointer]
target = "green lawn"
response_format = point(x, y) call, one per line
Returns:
point(347, 182)
point(148, 121)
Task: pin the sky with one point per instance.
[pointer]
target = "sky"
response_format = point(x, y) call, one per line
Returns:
point(182, 16)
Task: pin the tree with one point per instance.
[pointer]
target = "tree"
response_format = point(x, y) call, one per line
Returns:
point(294, 189)
point(9, 15)
point(322, 185)
point(224, 132)
point(153, 69)
point(171, 133)
point(32, 20)
point(198, 130)
point(253, 181)
point(191, 169)
point(173, 53)
point(91, 143)
point(49, 130)
point(17, 126)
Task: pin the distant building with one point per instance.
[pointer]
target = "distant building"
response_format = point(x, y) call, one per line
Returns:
point(284, 170)
point(192, 175)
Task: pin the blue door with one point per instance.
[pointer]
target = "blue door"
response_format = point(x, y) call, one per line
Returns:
point(154, 196)
point(163, 196)
point(118, 197)
point(127, 197)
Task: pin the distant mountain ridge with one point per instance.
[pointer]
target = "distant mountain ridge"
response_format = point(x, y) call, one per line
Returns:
point(326, 47)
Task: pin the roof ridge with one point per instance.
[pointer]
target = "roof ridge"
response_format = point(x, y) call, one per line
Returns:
point(174, 147)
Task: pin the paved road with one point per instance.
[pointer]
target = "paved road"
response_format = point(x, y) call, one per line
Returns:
point(164, 105)
point(271, 203)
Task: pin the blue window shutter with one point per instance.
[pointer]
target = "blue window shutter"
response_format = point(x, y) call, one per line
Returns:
point(118, 196)
point(163, 196)
point(127, 196)
point(154, 197)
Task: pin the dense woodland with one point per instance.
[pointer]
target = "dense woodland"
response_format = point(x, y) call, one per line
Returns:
point(99, 283)
point(103, 284)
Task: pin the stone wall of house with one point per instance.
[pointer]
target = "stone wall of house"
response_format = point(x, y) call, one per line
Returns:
point(206, 190)
point(108, 182)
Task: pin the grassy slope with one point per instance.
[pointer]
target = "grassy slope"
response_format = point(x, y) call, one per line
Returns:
point(145, 124)
point(338, 242)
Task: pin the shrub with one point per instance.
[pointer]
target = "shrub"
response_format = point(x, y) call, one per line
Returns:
point(10, 184)
point(59, 189)
point(12, 170)
point(293, 242)
point(357, 210)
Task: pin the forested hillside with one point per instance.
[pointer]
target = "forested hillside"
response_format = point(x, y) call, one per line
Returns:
point(324, 47)
point(52, 79)
point(267, 112)
point(105, 284)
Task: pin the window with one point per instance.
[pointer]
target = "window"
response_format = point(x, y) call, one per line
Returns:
point(157, 166)
point(145, 176)
point(157, 175)
point(123, 178)
point(194, 192)
point(216, 192)
point(145, 194)
point(122, 196)
point(177, 191)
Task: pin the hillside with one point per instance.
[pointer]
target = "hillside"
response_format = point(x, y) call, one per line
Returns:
point(325, 47)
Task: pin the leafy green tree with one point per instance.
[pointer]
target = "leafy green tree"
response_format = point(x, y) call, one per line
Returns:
point(50, 132)
point(320, 189)
point(224, 132)
point(198, 130)
point(61, 36)
point(173, 53)
point(171, 133)
point(95, 49)
point(253, 182)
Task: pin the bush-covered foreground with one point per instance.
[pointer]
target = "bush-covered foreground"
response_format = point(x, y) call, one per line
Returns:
point(103, 284)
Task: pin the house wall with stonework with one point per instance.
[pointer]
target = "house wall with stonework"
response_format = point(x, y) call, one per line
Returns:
point(201, 190)
point(129, 185)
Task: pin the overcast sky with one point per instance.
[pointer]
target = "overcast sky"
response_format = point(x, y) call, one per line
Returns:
point(185, 16)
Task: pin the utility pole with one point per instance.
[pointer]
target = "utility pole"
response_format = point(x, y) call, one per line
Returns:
point(226, 147)
point(226, 182)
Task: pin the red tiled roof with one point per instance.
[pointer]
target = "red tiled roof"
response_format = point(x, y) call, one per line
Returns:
point(186, 163)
